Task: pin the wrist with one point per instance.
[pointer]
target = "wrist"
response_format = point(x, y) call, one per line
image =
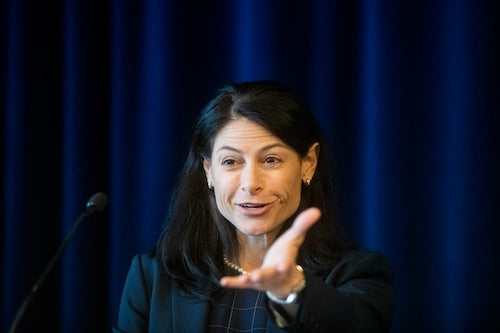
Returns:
point(293, 296)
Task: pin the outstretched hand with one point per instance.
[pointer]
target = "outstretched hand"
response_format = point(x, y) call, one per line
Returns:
point(278, 273)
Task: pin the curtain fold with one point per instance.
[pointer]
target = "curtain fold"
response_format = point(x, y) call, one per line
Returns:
point(102, 96)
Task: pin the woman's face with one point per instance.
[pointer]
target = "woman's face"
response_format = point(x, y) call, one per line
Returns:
point(256, 177)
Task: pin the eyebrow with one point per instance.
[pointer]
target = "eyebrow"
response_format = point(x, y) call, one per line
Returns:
point(273, 145)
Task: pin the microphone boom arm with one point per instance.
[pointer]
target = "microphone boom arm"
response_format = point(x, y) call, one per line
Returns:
point(96, 203)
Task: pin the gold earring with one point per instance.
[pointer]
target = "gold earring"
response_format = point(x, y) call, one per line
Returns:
point(308, 182)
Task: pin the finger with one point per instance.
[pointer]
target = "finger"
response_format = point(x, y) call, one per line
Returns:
point(302, 223)
point(240, 281)
point(246, 283)
point(282, 255)
point(257, 279)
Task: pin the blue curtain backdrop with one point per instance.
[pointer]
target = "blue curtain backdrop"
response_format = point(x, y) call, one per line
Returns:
point(101, 96)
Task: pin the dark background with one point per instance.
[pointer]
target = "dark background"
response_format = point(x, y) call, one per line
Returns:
point(101, 96)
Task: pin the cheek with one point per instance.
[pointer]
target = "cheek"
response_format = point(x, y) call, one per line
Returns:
point(294, 190)
point(224, 187)
point(288, 189)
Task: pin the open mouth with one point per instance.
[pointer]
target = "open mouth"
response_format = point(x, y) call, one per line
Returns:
point(251, 206)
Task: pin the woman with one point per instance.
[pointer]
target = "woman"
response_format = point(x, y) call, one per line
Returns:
point(251, 243)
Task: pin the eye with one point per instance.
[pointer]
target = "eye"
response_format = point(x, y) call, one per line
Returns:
point(272, 160)
point(228, 162)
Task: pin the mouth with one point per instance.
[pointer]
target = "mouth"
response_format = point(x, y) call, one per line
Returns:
point(251, 205)
point(253, 209)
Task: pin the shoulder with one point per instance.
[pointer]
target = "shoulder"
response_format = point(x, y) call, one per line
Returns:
point(363, 257)
point(361, 299)
point(146, 295)
point(145, 262)
point(362, 264)
point(145, 273)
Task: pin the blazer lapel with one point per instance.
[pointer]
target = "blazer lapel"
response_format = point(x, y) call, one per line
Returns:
point(188, 315)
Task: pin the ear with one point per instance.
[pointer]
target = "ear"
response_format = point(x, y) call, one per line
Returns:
point(207, 166)
point(310, 162)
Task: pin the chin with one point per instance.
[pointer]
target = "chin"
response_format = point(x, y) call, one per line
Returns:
point(254, 232)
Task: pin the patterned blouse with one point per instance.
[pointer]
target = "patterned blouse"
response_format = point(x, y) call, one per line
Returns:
point(237, 311)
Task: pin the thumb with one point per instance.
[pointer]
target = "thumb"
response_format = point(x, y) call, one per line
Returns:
point(303, 222)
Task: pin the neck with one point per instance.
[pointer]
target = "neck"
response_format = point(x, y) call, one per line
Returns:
point(252, 250)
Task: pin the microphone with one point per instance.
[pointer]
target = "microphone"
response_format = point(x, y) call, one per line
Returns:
point(96, 203)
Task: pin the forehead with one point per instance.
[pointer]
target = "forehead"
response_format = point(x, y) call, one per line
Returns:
point(243, 131)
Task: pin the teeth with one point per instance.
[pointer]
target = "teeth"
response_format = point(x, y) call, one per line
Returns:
point(251, 206)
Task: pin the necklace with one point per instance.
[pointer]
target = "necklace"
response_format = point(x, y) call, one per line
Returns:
point(234, 266)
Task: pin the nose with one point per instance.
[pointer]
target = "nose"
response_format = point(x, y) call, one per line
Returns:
point(251, 180)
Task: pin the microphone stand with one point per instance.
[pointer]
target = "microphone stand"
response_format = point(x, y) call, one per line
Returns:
point(97, 204)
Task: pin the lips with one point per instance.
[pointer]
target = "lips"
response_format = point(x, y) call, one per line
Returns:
point(251, 206)
point(253, 209)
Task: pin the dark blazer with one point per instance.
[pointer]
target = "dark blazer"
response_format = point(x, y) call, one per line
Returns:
point(355, 296)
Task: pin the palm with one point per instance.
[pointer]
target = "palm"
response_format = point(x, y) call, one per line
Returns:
point(278, 271)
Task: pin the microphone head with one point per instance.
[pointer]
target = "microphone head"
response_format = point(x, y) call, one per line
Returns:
point(97, 202)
